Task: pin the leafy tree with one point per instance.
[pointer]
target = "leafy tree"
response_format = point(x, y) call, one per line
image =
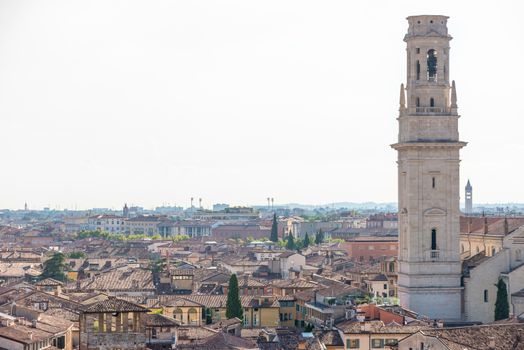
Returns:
point(282, 243)
point(308, 328)
point(319, 238)
point(299, 244)
point(335, 240)
point(290, 242)
point(501, 304)
point(233, 305)
point(55, 268)
point(180, 238)
point(77, 255)
point(158, 266)
point(274, 229)
point(306, 241)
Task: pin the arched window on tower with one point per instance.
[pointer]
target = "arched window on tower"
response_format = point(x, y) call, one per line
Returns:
point(433, 239)
point(418, 70)
point(432, 64)
point(432, 102)
point(417, 102)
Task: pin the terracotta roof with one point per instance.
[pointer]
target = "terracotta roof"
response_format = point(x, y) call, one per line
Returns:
point(157, 320)
point(315, 344)
point(301, 284)
point(219, 301)
point(21, 333)
point(379, 278)
point(330, 338)
point(188, 334)
point(247, 282)
point(49, 282)
point(114, 305)
point(218, 277)
point(495, 225)
point(182, 302)
point(375, 326)
point(226, 323)
point(220, 341)
point(286, 298)
point(117, 279)
point(506, 336)
point(305, 295)
point(287, 254)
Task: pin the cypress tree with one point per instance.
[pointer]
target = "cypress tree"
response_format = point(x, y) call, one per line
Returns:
point(233, 305)
point(274, 229)
point(319, 238)
point(306, 241)
point(290, 242)
point(501, 304)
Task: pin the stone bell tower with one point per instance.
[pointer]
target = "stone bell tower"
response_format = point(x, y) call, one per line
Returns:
point(428, 175)
point(468, 199)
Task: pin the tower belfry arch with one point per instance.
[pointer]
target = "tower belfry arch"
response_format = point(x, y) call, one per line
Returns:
point(428, 175)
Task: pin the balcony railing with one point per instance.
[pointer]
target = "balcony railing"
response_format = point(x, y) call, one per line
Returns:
point(431, 110)
point(433, 255)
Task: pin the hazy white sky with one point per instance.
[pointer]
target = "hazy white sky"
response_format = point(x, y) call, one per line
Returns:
point(152, 102)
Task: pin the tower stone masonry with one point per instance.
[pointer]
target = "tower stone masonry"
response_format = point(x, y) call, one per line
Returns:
point(429, 278)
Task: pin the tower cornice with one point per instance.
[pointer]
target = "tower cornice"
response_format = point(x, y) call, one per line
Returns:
point(428, 144)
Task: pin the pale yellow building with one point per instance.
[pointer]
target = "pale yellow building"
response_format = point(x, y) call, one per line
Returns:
point(367, 335)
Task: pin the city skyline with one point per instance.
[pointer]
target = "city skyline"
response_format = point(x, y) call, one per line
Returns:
point(237, 102)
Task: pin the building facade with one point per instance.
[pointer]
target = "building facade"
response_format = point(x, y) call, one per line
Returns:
point(428, 175)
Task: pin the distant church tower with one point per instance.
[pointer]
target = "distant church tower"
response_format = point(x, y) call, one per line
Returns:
point(469, 199)
point(428, 175)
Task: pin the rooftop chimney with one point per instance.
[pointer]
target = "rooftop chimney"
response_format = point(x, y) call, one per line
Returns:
point(30, 335)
